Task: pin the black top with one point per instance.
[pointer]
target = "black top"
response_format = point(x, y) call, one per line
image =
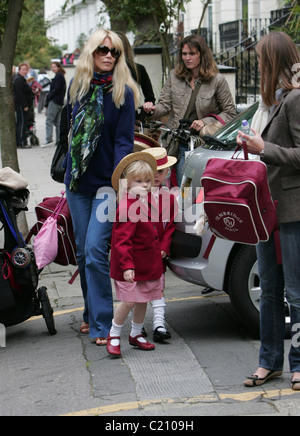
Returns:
point(144, 81)
point(57, 89)
point(22, 91)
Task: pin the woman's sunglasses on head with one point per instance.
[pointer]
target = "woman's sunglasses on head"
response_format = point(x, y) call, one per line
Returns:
point(102, 50)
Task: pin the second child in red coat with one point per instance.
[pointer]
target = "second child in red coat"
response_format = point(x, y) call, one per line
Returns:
point(167, 211)
point(136, 263)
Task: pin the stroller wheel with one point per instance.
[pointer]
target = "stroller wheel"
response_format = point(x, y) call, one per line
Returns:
point(20, 257)
point(47, 310)
point(34, 140)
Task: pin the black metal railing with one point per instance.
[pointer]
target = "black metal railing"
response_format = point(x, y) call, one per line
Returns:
point(242, 56)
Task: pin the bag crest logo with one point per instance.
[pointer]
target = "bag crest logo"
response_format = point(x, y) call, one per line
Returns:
point(229, 222)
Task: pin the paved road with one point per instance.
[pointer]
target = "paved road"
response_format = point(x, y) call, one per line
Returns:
point(200, 372)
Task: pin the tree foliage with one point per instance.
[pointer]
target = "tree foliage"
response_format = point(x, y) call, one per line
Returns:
point(10, 12)
point(292, 23)
point(32, 42)
point(150, 20)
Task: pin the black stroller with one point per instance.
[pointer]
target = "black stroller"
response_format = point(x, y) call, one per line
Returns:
point(20, 299)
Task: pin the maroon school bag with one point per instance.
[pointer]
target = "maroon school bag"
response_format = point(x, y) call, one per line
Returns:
point(237, 200)
point(66, 242)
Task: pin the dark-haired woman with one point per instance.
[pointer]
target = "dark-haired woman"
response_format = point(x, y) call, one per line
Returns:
point(55, 102)
point(195, 64)
point(278, 145)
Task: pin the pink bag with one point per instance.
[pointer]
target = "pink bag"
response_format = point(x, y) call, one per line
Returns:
point(45, 243)
point(237, 200)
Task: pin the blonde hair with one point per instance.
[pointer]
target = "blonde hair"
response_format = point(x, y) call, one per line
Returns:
point(85, 70)
point(136, 169)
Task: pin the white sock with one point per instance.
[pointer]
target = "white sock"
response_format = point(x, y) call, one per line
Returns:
point(115, 331)
point(136, 329)
point(159, 314)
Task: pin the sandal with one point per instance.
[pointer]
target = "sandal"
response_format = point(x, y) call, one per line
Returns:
point(254, 380)
point(295, 384)
point(101, 341)
point(85, 328)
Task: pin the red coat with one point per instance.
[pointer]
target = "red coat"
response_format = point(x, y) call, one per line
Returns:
point(166, 213)
point(135, 241)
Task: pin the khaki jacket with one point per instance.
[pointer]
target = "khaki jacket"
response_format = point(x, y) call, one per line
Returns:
point(213, 97)
point(282, 156)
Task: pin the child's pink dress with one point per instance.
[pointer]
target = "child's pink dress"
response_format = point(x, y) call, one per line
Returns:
point(139, 292)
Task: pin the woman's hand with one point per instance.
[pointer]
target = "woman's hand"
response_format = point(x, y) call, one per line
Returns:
point(148, 107)
point(255, 143)
point(163, 254)
point(197, 125)
point(129, 275)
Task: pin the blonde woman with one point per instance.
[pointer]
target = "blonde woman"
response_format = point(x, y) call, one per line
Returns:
point(102, 102)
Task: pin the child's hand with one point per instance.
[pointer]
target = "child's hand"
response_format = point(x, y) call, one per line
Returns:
point(129, 275)
point(163, 254)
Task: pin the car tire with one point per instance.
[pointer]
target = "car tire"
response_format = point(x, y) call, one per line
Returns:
point(243, 287)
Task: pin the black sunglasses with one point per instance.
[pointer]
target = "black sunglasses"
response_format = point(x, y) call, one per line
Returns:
point(102, 50)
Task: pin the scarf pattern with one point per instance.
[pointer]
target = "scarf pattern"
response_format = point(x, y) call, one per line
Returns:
point(88, 126)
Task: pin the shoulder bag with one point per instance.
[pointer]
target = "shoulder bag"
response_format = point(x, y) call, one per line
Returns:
point(66, 254)
point(173, 146)
point(57, 170)
point(238, 201)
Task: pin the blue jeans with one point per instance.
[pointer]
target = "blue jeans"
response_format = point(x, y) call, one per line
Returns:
point(92, 230)
point(276, 280)
point(53, 119)
point(180, 164)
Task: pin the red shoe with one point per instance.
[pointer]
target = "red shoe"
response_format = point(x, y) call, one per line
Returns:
point(113, 350)
point(141, 345)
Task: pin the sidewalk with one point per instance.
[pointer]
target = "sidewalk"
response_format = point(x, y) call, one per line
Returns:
point(35, 165)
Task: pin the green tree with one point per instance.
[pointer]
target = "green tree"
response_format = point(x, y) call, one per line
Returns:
point(10, 13)
point(151, 20)
point(292, 26)
point(10, 16)
point(32, 41)
point(33, 45)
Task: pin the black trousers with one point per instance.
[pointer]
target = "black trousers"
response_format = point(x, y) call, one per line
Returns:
point(21, 125)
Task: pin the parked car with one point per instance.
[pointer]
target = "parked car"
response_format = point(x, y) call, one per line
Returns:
point(231, 267)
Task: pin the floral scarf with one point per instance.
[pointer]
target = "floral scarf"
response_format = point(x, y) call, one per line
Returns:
point(88, 126)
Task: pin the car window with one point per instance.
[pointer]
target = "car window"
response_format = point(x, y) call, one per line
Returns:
point(225, 138)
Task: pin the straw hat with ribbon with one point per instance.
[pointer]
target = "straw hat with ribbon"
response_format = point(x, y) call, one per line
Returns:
point(161, 157)
point(143, 142)
point(127, 160)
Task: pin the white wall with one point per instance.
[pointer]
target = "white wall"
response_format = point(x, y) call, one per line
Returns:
point(67, 27)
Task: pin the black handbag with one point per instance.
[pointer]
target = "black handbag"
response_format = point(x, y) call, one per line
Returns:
point(57, 170)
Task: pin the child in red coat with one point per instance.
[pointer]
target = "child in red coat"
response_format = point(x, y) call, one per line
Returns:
point(167, 210)
point(136, 263)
